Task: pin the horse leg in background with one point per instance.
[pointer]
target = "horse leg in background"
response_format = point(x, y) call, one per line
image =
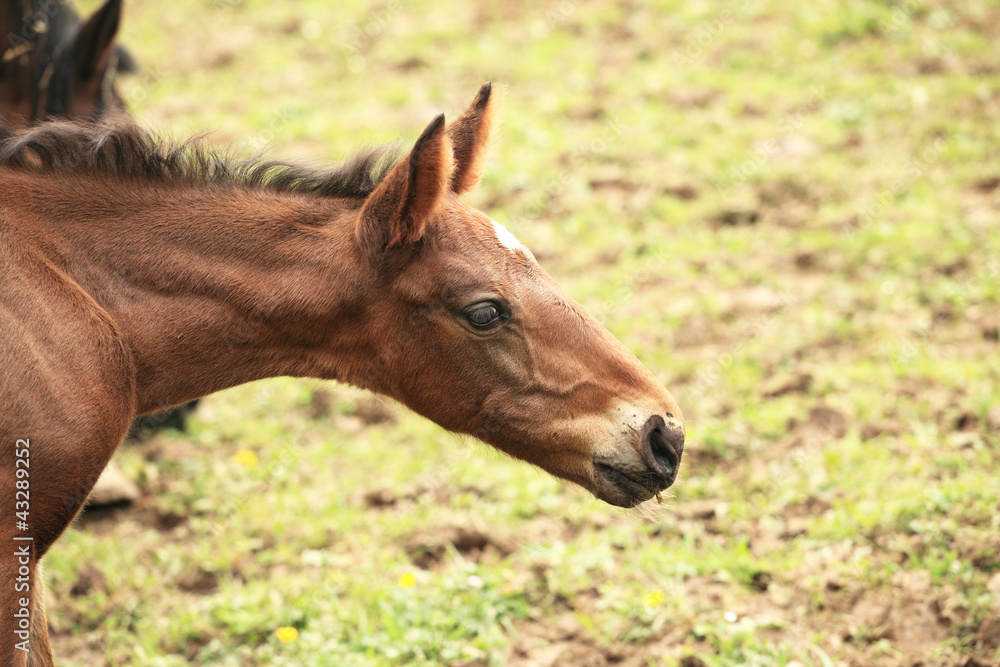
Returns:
point(172, 418)
point(113, 487)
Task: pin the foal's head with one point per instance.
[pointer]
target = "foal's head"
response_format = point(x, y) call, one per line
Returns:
point(55, 65)
point(471, 332)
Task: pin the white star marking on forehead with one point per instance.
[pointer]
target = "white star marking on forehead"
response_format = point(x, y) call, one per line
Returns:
point(506, 239)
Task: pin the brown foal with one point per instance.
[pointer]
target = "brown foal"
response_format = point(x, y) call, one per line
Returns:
point(58, 66)
point(138, 275)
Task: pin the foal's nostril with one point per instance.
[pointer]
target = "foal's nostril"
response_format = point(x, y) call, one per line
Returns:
point(662, 445)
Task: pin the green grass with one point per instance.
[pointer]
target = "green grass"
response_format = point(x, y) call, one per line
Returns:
point(785, 212)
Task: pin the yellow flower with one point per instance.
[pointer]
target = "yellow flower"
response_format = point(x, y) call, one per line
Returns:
point(286, 635)
point(246, 457)
point(407, 580)
point(653, 598)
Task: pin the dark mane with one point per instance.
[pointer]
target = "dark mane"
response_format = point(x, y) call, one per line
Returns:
point(123, 149)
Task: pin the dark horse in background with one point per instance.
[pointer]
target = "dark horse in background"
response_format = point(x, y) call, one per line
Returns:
point(55, 65)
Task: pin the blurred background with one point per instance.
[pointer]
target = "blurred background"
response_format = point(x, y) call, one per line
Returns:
point(789, 212)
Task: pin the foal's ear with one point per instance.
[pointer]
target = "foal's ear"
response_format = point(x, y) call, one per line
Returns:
point(94, 41)
point(470, 137)
point(396, 213)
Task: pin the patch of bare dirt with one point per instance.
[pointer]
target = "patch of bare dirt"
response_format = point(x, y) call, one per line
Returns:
point(737, 216)
point(854, 622)
point(198, 581)
point(368, 411)
point(682, 191)
point(691, 97)
point(986, 184)
point(787, 382)
point(428, 489)
point(694, 331)
point(823, 425)
point(988, 635)
point(428, 548)
point(78, 649)
point(563, 642)
point(889, 427)
point(88, 580)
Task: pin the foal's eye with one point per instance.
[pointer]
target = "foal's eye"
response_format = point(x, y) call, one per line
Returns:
point(483, 315)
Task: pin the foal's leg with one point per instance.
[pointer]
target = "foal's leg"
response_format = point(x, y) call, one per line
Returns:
point(25, 643)
point(40, 654)
point(18, 577)
point(67, 396)
point(60, 481)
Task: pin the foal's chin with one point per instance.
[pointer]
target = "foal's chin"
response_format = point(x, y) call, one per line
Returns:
point(615, 489)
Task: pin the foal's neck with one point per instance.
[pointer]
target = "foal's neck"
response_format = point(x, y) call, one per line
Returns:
point(214, 287)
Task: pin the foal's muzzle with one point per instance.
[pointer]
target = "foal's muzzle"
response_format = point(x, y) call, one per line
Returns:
point(631, 477)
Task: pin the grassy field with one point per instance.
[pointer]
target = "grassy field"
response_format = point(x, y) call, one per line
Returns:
point(790, 213)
